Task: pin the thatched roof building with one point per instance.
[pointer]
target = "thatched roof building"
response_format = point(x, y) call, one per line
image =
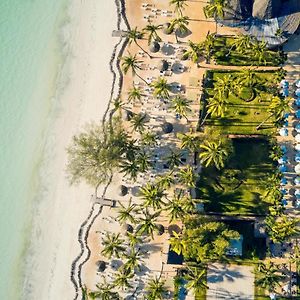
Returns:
point(264, 19)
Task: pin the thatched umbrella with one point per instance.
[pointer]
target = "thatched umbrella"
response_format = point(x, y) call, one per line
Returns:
point(122, 190)
point(101, 265)
point(167, 127)
point(173, 228)
point(154, 47)
point(128, 228)
point(160, 229)
point(127, 115)
point(163, 65)
point(166, 28)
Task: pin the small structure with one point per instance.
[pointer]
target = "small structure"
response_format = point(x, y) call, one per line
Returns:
point(167, 127)
point(122, 190)
point(173, 228)
point(136, 191)
point(163, 65)
point(127, 115)
point(154, 47)
point(166, 28)
point(128, 228)
point(101, 265)
point(160, 229)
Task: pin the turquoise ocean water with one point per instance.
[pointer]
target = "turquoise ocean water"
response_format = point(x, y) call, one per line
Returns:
point(29, 62)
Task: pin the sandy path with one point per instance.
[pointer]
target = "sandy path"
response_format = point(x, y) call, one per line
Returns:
point(85, 98)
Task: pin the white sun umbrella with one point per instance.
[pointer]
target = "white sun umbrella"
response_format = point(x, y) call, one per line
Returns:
point(297, 147)
point(297, 83)
point(297, 138)
point(297, 92)
point(283, 132)
point(297, 168)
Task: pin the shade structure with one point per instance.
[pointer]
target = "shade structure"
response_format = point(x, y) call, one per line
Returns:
point(136, 191)
point(167, 127)
point(283, 148)
point(283, 181)
point(127, 115)
point(166, 28)
point(122, 190)
point(297, 127)
point(282, 168)
point(297, 114)
point(284, 83)
point(283, 191)
point(297, 83)
point(163, 65)
point(297, 168)
point(160, 229)
point(283, 132)
point(297, 157)
point(297, 147)
point(285, 92)
point(282, 160)
point(173, 228)
point(154, 47)
point(297, 92)
point(297, 193)
point(297, 102)
point(297, 204)
point(297, 180)
point(297, 138)
point(101, 265)
point(128, 228)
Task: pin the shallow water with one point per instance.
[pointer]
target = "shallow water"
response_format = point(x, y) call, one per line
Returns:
point(29, 61)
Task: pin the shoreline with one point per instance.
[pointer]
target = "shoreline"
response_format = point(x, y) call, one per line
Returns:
point(82, 99)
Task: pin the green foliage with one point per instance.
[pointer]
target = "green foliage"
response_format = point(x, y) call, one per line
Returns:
point(151, 30)
point(187, 176)
point(127, 214)
point(203, 239)
point(215, 9)
point(152, 195)
point(155, 289)
point(196, 278)
point(96, 153)
point(113, 245)
point(281, 229)
point(161, 88)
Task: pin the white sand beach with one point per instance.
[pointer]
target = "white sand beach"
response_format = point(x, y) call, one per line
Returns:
point(82, 98)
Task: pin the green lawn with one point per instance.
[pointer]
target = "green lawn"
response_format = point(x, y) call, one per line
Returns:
point(238, 188)
point(241, 117)
point(234, 58)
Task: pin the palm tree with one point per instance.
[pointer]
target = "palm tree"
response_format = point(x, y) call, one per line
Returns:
point(279, 74)
point(138, 122)
point(189, 204)
point(179, 24)
point(135, 94)
point(208, 46)
point(143, 160)
point(131, 62)
point(148, 139)
point(104, 292)
point(214, 153)
point(268, 277)
point(194, 51)
point(122, 278)
point(180, 106)
point(248, 78)
point(189, 141)
point(152, 29)
point(215, 9)
point(187, 176)
point(128, 213)
point(152, 196)
point(134, 35)
point(133, 260)
point(224, 86)
point(117, 106)
point(241, 43)
point(259, 50)
point(196, 278)
point(175, 207)
point(217, 106)
point(177, 243)
point(166, 181)
point(278, 107)
point(130, 168)
point(179, 5)
point(147, 223)
point(113, 245)
point(174, 159)
point(161, 88)
point(155, 289)
point(133, 239)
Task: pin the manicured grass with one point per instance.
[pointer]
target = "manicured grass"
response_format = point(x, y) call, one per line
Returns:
point(238, 189)
point(234, 58)
point(242, 117)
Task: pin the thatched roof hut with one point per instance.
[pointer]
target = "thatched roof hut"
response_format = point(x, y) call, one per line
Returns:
point(160, 229)
point(101, 265)
point(167, 127)
point(128, 228)
point(166, 28)
point(162, 65)
point(154, 47)
point(173, 228)
point(122, 190)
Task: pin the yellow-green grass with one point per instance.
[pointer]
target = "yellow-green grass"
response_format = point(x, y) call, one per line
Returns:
point(242, 117)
